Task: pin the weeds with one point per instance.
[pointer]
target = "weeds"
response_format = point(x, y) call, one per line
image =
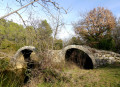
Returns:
point(49, 74)
point(4, 64)
point(10, 79)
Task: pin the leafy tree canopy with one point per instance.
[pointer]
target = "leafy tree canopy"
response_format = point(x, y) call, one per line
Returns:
point(95, 26)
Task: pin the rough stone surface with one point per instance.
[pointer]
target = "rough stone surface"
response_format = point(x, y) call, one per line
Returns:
point(98, 57)
point(18, 59)
point(18, 53)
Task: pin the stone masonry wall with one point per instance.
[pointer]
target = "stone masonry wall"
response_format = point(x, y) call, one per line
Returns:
point(106, 57)
point(98, 57)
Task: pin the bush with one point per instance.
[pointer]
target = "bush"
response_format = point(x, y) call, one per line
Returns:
point(10, 45)
point(6, 44)
point(106, 44)
point(4, 64)
point(10, 79)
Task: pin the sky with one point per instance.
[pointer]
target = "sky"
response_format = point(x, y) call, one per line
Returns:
point(75, 8)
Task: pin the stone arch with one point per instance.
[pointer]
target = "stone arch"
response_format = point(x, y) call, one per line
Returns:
point(79, 57)
point(25, 52)
point(19, 52)
point(71, 50)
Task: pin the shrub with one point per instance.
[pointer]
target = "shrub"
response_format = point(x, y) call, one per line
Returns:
point(4, 64)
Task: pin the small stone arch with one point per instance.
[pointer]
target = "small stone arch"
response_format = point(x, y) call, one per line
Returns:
point(79, 55)
point(23, 53)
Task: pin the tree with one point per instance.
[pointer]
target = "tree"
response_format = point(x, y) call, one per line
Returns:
point(40, 3)
point(96, 25)
point(39, 35)
point(75, 41)
point(11, 34)
point(58, 44)
point(116, 35)
point(44, 29)
point(30, 35)
point(57, 25)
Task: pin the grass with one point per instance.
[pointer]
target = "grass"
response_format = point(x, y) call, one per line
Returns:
point(105, 76)
point(11, 79)
point(68, 76)
point(110, 76)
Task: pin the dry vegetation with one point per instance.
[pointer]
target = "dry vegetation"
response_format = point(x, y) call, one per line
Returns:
point(47, 74)
point(73, 76)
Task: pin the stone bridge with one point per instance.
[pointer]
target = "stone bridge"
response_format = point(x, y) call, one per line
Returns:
point(84, 56)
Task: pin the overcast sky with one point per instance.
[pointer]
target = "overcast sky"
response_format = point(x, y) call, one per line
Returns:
point(75, 8)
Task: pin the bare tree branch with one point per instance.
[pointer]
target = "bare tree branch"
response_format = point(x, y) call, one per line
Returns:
point(46, 9)
point(56, 5)
point(18, 9)
point(21, 18)
point(19, 2)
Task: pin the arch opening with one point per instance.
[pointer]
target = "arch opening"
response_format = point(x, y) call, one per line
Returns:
point(29, 60)
point(26, 54)
point(79, 57)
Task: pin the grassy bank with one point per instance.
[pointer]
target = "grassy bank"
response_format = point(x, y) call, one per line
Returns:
point(11, 79)
point(68, 76)
point(73, 76)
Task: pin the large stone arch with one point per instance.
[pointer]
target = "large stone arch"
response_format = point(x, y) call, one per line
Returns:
point(23, 55)
point(81, 48)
